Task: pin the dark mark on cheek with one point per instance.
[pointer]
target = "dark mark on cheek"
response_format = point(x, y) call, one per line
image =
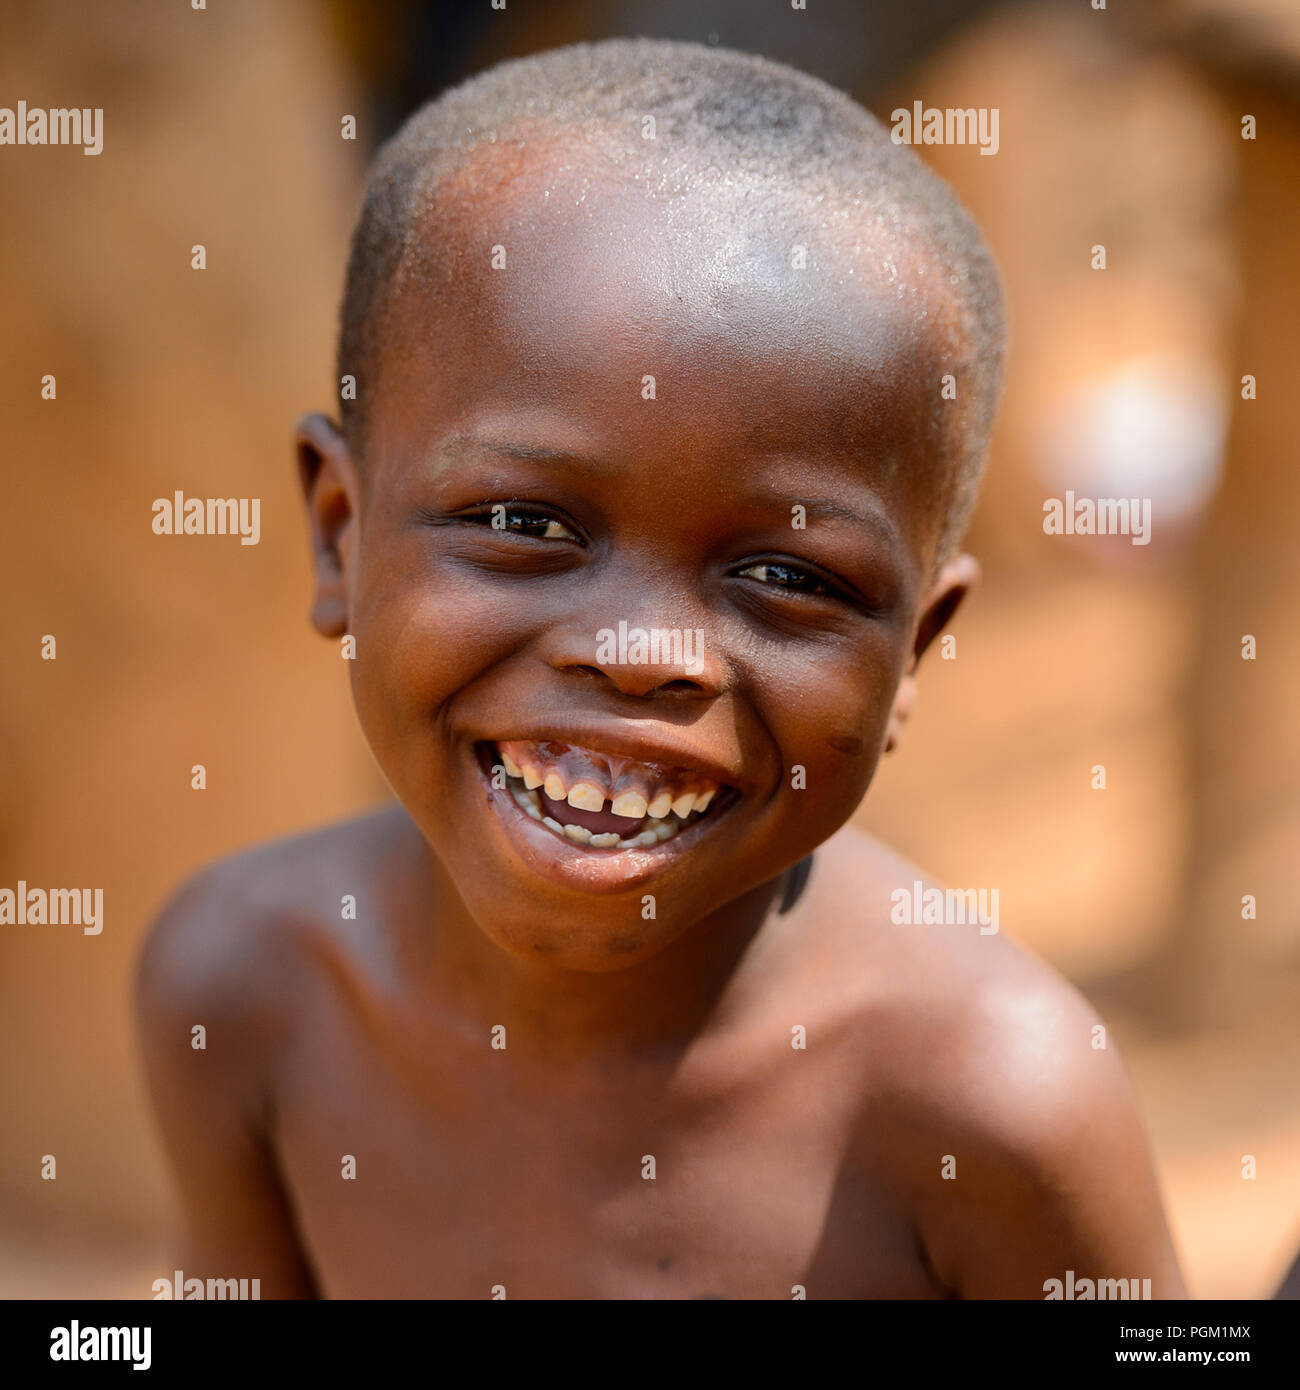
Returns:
point(843, 744)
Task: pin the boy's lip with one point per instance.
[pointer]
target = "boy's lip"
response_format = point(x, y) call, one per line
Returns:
point(579, 869)
point(634, 746)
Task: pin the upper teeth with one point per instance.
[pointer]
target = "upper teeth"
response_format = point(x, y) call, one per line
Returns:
point(584, 795)
point(586, 780)
point(527, 800)
point(630, 804)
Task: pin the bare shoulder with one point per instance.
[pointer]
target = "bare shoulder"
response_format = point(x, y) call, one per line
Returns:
point(942, 955)
point(231, 939)
point(229, 972)
point(1001, 1107)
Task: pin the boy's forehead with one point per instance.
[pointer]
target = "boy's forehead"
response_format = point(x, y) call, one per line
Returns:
point(555, 274)
point(548, 241)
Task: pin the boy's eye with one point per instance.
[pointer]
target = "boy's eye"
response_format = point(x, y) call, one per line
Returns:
point(525, 521)
point(786, 577)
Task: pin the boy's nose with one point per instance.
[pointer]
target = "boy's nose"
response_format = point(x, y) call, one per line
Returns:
point(640, 660)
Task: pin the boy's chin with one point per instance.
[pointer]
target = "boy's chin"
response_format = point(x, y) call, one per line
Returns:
point(608, 937)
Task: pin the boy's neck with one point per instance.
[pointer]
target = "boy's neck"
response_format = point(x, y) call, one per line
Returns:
point(653, 1009)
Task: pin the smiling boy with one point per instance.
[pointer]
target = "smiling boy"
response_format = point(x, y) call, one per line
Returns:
point(647, 337)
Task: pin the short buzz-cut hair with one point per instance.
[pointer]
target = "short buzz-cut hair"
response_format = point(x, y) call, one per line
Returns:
point(800, 147)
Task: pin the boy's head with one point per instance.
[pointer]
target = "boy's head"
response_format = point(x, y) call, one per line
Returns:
point(647, 338)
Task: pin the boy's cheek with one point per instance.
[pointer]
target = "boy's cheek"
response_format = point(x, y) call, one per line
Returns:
point(834, 738)
point(416, 648)
point(835, 784)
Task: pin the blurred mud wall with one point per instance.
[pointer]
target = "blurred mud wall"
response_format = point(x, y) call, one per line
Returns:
point(221, 128)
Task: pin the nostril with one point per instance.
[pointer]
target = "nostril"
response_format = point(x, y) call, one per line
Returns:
point(639, 678)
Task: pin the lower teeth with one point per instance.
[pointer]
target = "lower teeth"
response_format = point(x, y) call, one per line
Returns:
point(530, 803)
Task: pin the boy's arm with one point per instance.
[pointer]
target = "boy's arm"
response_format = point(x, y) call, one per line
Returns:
point(211, 1103)
point(1052, 1168)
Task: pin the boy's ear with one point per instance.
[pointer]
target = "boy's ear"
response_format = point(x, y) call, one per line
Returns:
point(329, 487)
point(955, 579)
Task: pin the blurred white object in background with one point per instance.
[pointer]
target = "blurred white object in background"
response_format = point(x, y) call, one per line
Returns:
point(1154, 427)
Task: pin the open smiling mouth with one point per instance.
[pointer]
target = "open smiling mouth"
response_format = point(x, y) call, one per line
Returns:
point(602, 803)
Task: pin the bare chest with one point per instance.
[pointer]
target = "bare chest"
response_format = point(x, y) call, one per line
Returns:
point(457, 1177)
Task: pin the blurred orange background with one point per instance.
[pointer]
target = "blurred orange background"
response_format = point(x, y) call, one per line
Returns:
point(223, 127)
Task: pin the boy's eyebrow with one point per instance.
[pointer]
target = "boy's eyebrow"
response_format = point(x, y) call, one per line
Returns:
point(828, 509)
point(874, 518)
point(534, 453)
